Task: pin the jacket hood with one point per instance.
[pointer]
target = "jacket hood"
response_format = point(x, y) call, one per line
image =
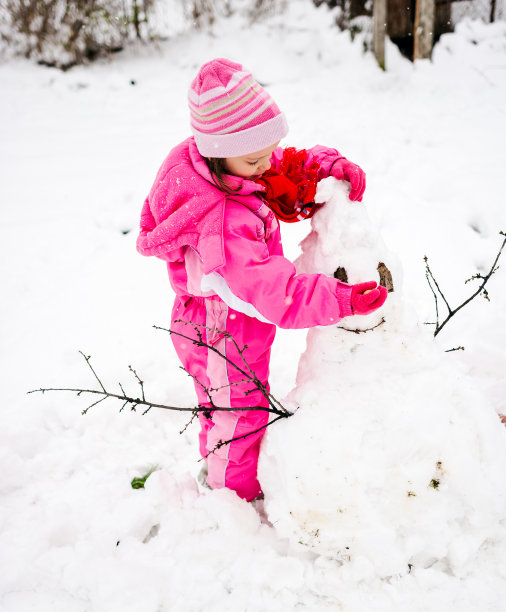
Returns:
point(185, 207)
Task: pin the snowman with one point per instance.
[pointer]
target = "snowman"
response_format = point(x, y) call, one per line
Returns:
point(392, 460)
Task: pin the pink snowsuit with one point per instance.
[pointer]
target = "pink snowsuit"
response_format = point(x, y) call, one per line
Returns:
point(226, 266)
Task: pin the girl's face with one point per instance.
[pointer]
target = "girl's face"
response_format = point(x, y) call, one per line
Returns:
point(250, 166)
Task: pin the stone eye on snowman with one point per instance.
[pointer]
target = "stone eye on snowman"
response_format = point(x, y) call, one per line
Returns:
point(392, 459)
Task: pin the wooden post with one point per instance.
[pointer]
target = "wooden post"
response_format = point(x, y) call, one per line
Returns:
point(492, 11)
point(425, 14)
point(379, 16)
point(357, 7)
point(443, 19)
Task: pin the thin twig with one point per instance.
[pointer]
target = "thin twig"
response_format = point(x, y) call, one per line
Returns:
point(427, 271)
point(189, 423)
point(200, 342)
point(481, 288)
point(361, 331)
point(436, 283)
point(226, 442)
point(141, 383)
point(276, 405)
point(232, 384)
point(122, 390)
point(94, 404)
point(87, 359)
point(196, 380)
point(457, 348)
point(139, 402)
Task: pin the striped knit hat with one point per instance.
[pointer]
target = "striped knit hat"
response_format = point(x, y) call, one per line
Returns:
point(231, 114)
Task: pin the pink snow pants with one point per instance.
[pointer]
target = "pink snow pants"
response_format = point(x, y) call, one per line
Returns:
point(233, 465)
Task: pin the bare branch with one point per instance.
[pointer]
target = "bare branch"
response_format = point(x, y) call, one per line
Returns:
point(189, 423)
point(361, 331)
point(94, 404)
point(122, 390)
point(141, 383)
point(205, 389)
point(127, 400)
point(226, 442)
point(274, 406)
point(429, 275)
point(481, 288)
point(227, 386)
point(87, 359)
point(278, 408)
point(138, 402)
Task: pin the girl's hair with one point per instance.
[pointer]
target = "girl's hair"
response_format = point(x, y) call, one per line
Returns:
point(217, 169)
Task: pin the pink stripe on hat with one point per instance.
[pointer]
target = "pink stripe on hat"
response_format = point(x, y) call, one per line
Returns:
point(231, 114)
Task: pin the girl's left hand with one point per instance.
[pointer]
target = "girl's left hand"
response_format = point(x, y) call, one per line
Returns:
point(345, 170)
point(367, 297)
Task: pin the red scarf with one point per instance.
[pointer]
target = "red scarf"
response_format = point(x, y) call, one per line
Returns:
point(290, 192)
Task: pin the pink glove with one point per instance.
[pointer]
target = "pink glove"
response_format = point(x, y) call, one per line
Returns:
point(364, 303)
point(344, 170)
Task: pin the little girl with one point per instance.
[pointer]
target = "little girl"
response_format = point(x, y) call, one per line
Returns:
point(212, 215)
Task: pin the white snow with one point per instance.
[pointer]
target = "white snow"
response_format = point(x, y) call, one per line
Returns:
point(78, 153)
point(408, 469)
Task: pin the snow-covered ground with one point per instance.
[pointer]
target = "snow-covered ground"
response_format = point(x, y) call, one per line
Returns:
point(78, 152)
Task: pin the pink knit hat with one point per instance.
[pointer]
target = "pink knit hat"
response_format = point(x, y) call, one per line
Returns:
point(231, 114)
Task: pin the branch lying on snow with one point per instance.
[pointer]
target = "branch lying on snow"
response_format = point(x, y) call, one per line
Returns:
point(481, 289)
point(275, 407)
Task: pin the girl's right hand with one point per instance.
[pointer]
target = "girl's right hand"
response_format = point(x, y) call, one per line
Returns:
point(367, 297)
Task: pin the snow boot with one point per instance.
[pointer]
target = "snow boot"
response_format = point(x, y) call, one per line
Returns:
point(202, 477)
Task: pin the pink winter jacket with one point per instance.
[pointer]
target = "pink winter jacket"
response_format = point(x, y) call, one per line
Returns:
point(229, 245)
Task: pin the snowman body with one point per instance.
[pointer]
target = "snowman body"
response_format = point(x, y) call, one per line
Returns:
point(392, 458)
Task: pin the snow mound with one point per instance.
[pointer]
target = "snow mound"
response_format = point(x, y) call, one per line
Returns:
point(393, 460)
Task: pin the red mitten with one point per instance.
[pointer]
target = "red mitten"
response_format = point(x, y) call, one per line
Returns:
point(367, 297)
point(344, 170)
